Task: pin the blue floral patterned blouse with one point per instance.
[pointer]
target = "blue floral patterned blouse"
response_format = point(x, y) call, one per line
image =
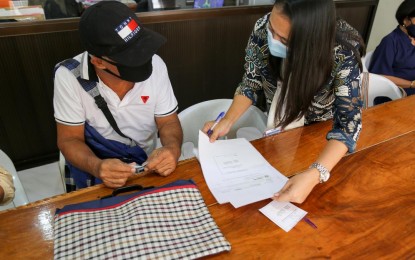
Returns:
point(339, 100)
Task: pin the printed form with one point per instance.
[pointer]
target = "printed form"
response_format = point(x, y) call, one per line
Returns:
point(284, 214)
point(236, 172)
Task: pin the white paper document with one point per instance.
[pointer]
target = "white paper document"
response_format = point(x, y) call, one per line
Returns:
point(284, 214)
point(236, 172)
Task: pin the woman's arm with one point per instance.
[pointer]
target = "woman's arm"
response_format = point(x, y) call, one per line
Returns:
point(251, 85)
point(299, 186)
point(239, 105)
point(344, 134)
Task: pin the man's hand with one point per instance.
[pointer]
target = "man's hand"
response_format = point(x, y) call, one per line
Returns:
point(163, 160)
point(113, 172)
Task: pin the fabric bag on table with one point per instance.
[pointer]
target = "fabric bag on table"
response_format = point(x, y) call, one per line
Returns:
point(167, 222)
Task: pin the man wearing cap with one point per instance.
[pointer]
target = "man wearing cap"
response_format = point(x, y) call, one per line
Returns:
point(111, 101)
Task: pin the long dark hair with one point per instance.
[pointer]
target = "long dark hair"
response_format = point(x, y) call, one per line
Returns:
point(309, 59)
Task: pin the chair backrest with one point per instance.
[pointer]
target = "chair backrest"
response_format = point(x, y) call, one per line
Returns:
point(366, 60)
point(20, 197)
point(194, 117)
point(380, 86)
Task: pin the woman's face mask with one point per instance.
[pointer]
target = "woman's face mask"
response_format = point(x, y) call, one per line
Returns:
point(132, 74)
point(276, 48)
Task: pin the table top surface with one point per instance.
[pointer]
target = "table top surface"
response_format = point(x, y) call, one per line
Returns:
point(366, 209)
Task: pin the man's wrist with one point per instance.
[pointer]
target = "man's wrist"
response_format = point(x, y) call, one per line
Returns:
point(412, 85)
point(176, 149)
point(96, 167)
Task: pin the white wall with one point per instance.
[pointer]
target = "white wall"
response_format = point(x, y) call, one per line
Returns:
point(384, 22)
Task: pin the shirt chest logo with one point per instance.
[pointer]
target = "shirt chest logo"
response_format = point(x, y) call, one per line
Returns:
point(145, 99)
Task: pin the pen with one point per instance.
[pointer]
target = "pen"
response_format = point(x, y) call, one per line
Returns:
point(220, 116)
point(272, 131)
point(140, 168)
point(308, 221)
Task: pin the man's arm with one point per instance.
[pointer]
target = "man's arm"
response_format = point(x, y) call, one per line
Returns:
point(6, 187)
point(71, 142)
point(164, 159)
point(1, 193)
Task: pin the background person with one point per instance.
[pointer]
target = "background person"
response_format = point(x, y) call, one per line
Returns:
point(394, 57)
point(312, 60)
point(120, 64)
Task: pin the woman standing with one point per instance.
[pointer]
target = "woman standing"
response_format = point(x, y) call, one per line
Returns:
point(312, 61)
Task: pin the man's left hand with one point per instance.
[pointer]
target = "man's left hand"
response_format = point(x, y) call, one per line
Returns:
point(163, 160)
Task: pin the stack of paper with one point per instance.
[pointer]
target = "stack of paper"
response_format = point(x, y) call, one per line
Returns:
point(236, 172)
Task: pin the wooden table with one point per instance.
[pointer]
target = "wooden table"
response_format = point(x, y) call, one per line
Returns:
point(365, 211)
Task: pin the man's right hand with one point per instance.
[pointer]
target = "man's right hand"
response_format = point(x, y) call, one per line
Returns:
point(113, 172)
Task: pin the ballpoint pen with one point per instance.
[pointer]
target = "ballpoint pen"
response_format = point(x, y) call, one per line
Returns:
point(220, 116)
point(272, 131)
point(308, 221)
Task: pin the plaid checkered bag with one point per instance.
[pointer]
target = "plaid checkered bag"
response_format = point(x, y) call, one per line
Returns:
point(168, 222)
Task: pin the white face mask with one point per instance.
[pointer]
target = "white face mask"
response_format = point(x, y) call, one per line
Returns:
point(276, 48)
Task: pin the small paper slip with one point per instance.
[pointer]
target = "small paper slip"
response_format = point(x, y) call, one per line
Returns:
point(284, 214)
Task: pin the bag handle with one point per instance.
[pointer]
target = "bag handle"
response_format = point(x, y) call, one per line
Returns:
point(134, 187)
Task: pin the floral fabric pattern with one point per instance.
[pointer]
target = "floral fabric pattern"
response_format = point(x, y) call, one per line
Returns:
point(340, 99)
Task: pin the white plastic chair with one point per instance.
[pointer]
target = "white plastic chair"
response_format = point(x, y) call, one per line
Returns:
point(380, 86)
point(366, 61)
point(250, 125)
point(20, 197)
point(62, 169)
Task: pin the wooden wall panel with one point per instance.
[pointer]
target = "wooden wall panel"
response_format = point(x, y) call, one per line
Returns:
point(28, 132)
point(208, 55)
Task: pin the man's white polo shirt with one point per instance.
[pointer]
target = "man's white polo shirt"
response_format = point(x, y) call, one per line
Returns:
point(135, 113)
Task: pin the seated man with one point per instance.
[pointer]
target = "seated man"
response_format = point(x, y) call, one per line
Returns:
point(394, 58)
point(111, 100)
point(6, 187)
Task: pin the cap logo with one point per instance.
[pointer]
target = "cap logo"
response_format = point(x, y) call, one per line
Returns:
point(127, 29)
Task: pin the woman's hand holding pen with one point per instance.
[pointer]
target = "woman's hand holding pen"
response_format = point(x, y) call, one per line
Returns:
point(221, 128)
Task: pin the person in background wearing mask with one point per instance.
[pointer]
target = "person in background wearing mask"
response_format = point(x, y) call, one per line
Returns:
point(310, 60)
point(111, 101)
point(394, 57)
point(6, 187)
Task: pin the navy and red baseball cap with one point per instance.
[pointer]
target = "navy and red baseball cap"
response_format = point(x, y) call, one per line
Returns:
point(111, 29)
